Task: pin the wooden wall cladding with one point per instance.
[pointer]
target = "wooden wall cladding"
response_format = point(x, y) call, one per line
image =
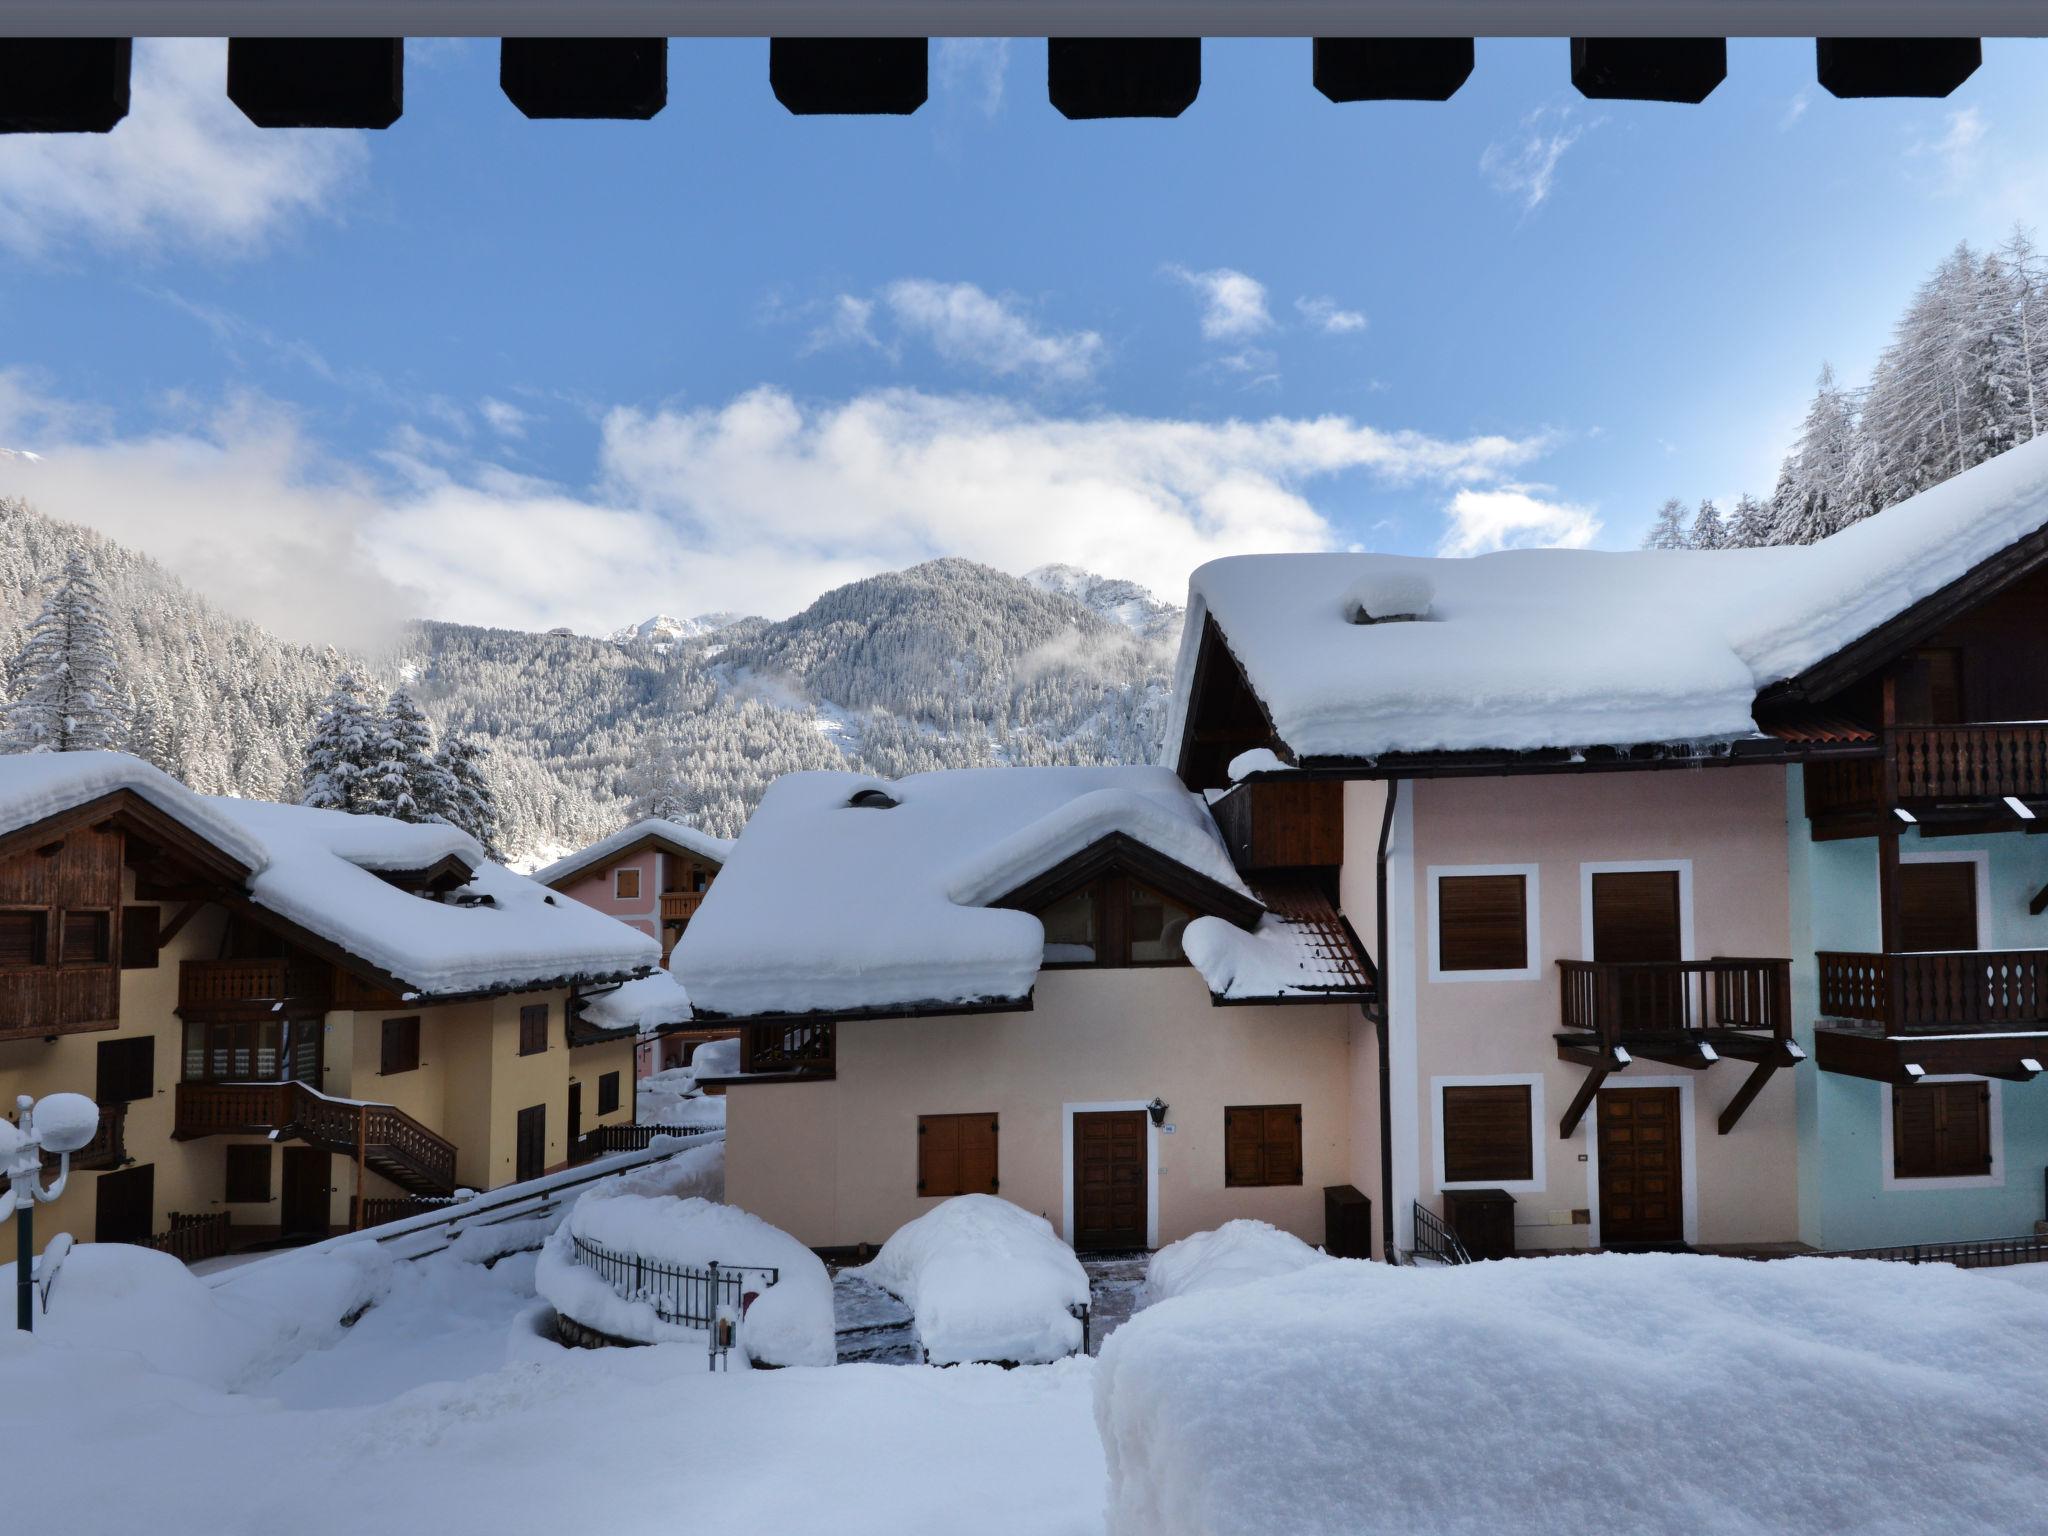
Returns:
point(78, 874)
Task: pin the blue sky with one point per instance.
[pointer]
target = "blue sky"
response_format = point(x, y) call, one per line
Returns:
point(527, 373)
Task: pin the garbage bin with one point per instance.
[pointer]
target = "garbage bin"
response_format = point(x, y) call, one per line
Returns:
point(1483, 1219)
point(1347, 1222)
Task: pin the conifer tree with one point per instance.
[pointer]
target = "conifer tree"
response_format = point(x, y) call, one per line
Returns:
point(340, 751)
point(472, 805)
point(1750, 524)
point(1668, 531)
point(405, 780)
point(1708, 531)
point(68, 693)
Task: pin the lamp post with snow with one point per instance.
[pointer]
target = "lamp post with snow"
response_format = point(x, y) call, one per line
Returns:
point(63, 1123)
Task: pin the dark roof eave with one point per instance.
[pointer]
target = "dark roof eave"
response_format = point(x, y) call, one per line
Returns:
point(926, 1009)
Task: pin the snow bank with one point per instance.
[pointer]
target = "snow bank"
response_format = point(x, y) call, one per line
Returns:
point(676, 833)
point(1277, 958)
point(113, 1296)
point(1554, 1397)
point(777, 933)
point(789, 1323)
point(1533, 648)
point(1236, 1253)
point(984, 1280)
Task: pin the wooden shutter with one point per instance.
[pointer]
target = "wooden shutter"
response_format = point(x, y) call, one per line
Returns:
point(1261, 1145)
point(956, 1155)
point(24, 938)
point(248, 1175)
point(88, 938)
point(626, 884)
point(139, 946)
point(1482, 922)
point(608, 1093)
point(1938, 905)
point(1941, 1130)
point(127, 1070)
point(533, 1029)
point(401, 1045)
point(125, 1205)
point(1635, 915)
point(1487, 1134)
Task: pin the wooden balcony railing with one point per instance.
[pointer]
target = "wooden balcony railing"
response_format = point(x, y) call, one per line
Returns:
point(392, 1142)
point(234, 988)
point(195, 1236)
point(1923, 764)
point(1619, 999)
point(803, 1046)
point(1962, 991)
point(680, 906)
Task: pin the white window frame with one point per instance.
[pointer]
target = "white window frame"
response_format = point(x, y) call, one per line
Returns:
point(1688, 1152)
point(1995, 1179)
point(1537, 1144)
point(1067, 1113)
point(1532, 923)
point(1981, 858)
point(1683, 867)
point(619, 874)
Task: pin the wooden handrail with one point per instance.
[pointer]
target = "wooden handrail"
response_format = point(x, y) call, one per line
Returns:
point(680, 906)
point(387, 1132)
point(1935, 992)
point(1617, 998)
point(799, 1046)
point(1968, 762)
point(213, 983)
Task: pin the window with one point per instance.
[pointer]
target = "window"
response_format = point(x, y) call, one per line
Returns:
point(1115, 921)
point(248, 1175)
point(626, 884)
point(1937, 904)
point(956, 1155)
point(127, 1070)
point(1482, 923)
point(247, 1050)
point(139, 943)
point(401, 1051)
point(24, 938)
point(1488, 1134)
point(88, 938)
point(1261, 1145)
point(1941, 1130)
point(608, 1093)
point(533, 1029)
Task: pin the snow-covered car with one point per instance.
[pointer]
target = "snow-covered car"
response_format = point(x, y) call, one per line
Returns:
point(1236, 1253)
point(985, 1280)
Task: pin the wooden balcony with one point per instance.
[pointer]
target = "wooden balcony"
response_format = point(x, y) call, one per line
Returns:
point(1947, 992)
point(1922, 766)
point(251, 989)
point(801, 1047)
point(1686, 1013)
point(680, 906)
point(390, 1141)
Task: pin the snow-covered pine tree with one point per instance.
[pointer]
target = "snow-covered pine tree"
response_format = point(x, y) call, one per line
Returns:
point(1668, 531)
point(1708, 531)
point(1817, 494)
point(149, 727)
point(405, 779)
point(68, 693)
point(472, 805)
point(340, 752)
point(2029, 298)
point(1749, 525)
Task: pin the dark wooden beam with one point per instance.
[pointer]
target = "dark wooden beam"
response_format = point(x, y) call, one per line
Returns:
point(1392, 68)
point(318, 82)
point(2025, 1070)
point(1759, 1075)
point(63, 84)
point(1096, 77)
point(1680, 69)
point(1895, 66)
point(2039, 904)
point(1673, 1052)
point(1581, 1102)
point(585, 77)
point(176, 925)
point(849, 76)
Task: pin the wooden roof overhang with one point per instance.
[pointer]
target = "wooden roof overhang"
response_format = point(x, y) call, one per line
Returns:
point(450, 872)
point(926, 1009)
point(160, 848)
point(1903, 1060)
point(639, 845)
point(1118, 853)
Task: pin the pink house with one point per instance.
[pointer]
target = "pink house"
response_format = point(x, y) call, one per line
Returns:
point(651, 875)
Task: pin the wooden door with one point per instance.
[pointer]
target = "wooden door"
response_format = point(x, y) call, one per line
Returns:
point(1636, 919)
point(1109, 1179)
point(1938, 905)
point(304, 1209)
point(575, 1116)
point(532, 1143)
point(125, 1205)
point(1642, 1193)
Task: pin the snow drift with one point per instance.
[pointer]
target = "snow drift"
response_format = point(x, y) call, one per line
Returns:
point(1671, 1395)
point(984, 1280)
point(1236, 1253)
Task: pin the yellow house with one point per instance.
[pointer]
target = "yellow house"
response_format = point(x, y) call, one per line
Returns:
point(281, 1011)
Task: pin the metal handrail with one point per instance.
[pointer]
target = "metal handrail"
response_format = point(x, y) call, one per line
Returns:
point(715, 1298)
point(1434, 1240)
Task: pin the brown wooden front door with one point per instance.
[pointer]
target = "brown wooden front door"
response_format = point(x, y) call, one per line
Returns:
point(575, 1116)
point(532, 1143)
point(1642, 1191)
point(1109, 1179)
point(124, 1205)
point(1938, 905)
point(303, 1210)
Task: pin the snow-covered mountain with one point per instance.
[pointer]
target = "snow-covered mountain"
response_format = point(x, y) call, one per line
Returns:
point(946, 664)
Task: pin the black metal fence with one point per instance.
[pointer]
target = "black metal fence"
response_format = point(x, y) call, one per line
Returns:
point(1435, 1241)
point(607, 1139)
point(680, 1295)
point(1984, 1253)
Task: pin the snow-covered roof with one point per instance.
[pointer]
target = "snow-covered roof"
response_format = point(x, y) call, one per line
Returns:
point(656, 828)
point(1299, 950)
point(642, 1006)
point(318, 869)
point(827, 906)
point(1527, 649)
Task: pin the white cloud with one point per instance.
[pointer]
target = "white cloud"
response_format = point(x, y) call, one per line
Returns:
point(1483, 519)
point(850, 322)
point(503, 418)
point(1957, 153)
point(1795, 109)
point(1524, 167)
point(1330, 317)
point(973, 68)
point(968, 326)
point(184, 168)
point(1233, 304)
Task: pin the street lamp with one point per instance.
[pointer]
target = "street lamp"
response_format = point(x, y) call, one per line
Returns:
point(62, 1123)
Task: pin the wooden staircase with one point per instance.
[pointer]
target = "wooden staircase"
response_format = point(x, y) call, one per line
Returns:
point(388, 1139)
